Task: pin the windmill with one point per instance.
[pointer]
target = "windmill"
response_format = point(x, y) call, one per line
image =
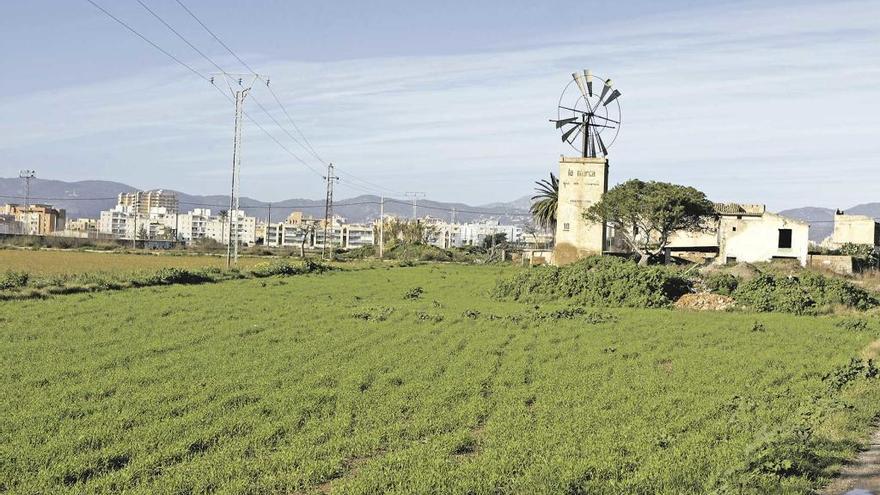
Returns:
point(588, 114)
point(588, 117)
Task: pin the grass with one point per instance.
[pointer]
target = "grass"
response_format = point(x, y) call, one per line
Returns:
point(66, 262)
point(414, 380)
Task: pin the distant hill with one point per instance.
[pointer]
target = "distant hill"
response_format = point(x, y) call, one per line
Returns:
point(88, 198)
point(821, 220)
point(869, 209)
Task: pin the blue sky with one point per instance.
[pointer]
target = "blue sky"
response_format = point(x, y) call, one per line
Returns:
point(764, 102)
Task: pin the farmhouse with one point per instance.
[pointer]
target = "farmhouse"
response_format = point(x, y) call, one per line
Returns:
point(744, 232)
point(853, 229)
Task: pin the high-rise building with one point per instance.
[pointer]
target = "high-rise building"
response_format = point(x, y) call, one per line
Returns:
point(145, 201)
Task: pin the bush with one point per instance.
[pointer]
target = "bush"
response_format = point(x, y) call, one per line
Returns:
point(168, 276)
point(13, 280)
point(804, 294)
point(281, 267)
point(598, 280)
point(722, 283)
point(414, 293)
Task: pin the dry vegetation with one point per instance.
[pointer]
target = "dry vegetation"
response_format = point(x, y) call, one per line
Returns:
point(45, 262)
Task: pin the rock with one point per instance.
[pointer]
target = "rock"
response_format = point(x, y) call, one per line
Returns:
point(705, 301)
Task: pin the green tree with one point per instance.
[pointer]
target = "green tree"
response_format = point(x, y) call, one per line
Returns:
point(543, 208)
point(223, 216)
point(646, 214)
point(498, 239)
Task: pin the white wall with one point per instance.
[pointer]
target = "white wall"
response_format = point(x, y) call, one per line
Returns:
point(756, 239)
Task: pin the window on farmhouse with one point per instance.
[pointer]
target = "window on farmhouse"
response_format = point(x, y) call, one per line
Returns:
point(784, 238)
point(566, 227)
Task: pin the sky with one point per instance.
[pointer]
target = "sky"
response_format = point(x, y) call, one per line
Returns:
point(755, 102)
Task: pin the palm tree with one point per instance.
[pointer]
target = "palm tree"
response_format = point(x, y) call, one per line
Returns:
point(223, 216)
point(544, 203)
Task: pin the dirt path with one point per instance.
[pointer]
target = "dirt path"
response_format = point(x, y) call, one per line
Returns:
point(862, 476)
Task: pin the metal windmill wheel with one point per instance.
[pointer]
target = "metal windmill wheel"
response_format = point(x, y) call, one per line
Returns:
point(588, 114)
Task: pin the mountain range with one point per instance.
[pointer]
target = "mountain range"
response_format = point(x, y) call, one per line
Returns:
point(88, 198)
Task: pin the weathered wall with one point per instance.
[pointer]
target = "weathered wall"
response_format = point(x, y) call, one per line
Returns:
point(582, 182)
point(855, 229)
point(836, 263)
point(756, 239)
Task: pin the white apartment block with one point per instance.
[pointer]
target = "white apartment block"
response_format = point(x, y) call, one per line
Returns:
point(218, 228)
point(193, 226)
point(292, 232)
point(473, 234)
point(161, 223)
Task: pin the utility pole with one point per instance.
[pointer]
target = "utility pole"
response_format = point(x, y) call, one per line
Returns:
point(328, 212)
point(415, 195)
point(232, 242)
point(134, 234)
point(27, 175)
point(269, 216)
point(381, 227)
point(239, 94)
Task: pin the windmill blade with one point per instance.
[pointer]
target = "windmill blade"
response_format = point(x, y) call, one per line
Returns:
point(574, 109)
point(568, 132)
point(613, 96)
point(560, 123)
point(589, 77)
point(601, 144)
point(580, 82)
point(605, 90)
point(575, 136)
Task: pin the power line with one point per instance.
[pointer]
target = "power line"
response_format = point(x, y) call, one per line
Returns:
point(154, 45)
point(183, 38)
point(206, 78)
point(308, 146)
point(280, 206)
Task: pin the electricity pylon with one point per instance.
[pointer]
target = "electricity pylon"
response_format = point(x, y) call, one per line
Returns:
point(239, 94)
point(27, 175)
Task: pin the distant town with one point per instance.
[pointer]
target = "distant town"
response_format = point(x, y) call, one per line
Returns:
point(153, 219)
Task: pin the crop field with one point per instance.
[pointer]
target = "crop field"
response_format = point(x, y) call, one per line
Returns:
point(415, 380)
point(61, 262)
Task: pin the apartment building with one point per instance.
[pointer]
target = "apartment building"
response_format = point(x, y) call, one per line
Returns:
point(36, 219)
point(144, 201)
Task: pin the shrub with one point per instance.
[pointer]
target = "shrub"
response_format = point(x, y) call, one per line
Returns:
point(722, 283)
point(413, 293)
point(803, 294)
point(13, 280)
point(168, 276)
point(598, 280)
point(282, 267)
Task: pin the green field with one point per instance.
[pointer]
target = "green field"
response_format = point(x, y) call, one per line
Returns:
point(341, 383)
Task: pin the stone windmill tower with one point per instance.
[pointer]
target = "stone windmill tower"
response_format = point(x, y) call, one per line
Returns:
point(589, 119)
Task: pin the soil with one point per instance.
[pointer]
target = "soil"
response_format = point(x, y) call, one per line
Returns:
point(704, 301)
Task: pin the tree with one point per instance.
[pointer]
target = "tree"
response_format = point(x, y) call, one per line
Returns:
point(223, 216)
point(308, 230)
point(407, 231)
point(543, 208)
point(496, 239)
point(646, 214)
